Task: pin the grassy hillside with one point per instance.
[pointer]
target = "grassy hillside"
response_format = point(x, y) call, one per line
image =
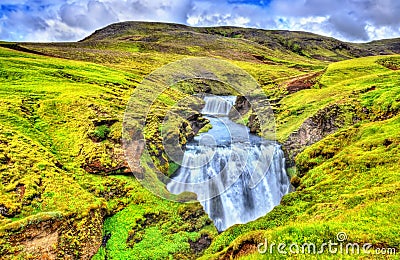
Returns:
point(348, 181)
point(63, 168)
point(208, 39)
point(66, 190)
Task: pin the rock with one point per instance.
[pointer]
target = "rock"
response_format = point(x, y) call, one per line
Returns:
point(96, 167)
point(197, 122)
point(295, 181)
point(200, 245)
point(242, 105)
point(105, 239)
point(254, 124)
point(326, 121)
point(4, 211)
point(56, 237)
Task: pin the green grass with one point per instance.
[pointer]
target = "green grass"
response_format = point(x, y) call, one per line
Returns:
point(349, 181)
point(56, 118)
point(390, 63)
point(155, 230)
point(359, 82)
point(49, 108)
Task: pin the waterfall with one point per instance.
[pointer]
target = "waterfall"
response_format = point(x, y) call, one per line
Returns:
point(238, 177)
point(216, 105)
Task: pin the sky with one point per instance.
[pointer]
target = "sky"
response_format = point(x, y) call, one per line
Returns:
point(72, 20)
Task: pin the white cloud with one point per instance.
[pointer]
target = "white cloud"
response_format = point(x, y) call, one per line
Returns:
point(57, 31)
point(155, 10)
point(223, 13)
point(352, 20)
point(87, 16)
point(63, 20)
point(381, 32)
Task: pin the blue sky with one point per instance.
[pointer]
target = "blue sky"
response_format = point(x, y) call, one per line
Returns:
point(71, 20)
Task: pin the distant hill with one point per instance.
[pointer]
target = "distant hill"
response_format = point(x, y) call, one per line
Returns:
point(302, 43)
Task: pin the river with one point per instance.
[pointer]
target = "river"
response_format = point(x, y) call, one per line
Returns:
point(237, 176)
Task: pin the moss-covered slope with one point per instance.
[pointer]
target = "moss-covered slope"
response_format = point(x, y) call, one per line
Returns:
point(346, 182)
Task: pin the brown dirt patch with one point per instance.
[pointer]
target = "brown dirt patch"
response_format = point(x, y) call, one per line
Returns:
point(302, 82)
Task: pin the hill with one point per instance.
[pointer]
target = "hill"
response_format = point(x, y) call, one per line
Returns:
point(67, 192)
point(302, 43)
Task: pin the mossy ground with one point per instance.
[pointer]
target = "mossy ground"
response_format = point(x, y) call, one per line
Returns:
point(60, 117)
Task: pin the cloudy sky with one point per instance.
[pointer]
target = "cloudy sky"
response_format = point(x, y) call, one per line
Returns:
point(71, 20)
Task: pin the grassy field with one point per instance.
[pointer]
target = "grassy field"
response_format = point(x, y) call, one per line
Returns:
point(63, 169)
point(58, 117)
point(349, 181)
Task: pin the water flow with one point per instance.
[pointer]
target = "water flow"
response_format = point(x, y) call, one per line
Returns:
point(238, 177)
point(218, 105)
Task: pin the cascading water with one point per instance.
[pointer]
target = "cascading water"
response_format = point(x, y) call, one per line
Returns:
point(218, 105)
point(238, 177)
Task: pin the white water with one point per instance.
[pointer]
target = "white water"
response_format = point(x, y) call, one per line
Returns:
point(238, 177)
point(218, 105)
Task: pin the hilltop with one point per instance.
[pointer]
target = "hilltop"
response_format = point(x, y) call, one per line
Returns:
point(302, 43)
point(66, 189)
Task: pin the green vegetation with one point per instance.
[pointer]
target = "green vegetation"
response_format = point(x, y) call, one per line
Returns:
point(47, 114)
point(63, 170)
point(58, 166)
point(101, 132)
point(349, 181)
point(358, 83)
point(156, 231)
point(392, 63)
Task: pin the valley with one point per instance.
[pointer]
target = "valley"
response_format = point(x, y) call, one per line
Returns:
point(67, 191)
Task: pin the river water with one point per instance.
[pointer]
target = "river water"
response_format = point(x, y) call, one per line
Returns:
point(237, 176)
